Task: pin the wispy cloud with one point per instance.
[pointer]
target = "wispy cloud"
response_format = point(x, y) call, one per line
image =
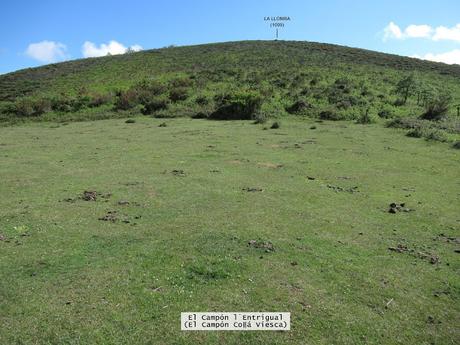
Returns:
point(393, 31)
point(90, 49)
point(47, 51)
point(452, 57)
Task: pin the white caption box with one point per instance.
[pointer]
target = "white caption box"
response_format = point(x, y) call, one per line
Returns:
point(235, 321)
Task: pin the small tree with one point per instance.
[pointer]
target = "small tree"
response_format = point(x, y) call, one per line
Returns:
point(406, 87)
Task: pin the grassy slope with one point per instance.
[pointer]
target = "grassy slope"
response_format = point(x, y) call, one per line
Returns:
point(75, 279)
point(246, 62)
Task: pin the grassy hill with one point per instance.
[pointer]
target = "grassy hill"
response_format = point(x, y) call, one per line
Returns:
point(110, 229)
point(249, 79)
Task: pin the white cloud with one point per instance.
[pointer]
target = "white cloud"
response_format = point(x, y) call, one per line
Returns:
point(90, 49)
point(452, 57)
point(418, 31)
point(443, 33)
point(47, 51)
point(393, 31)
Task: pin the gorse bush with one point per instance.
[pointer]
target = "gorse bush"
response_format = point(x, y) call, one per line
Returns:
point(178, 94)
point(154, 105)
point(437, 106)
point(366, 118)
point(127, 99)
point(238, 105)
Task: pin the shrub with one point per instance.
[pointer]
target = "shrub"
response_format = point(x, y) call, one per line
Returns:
point(130, 121)
point(202, 100)
point(27, 107)
point(276, 125)
point(154, 105)
point(386, 113)
point(126, 99)
point(436, 135)
point(366, 118)
point(178, 94)
point(418, 132)
point(241, 105)
point(299, 106)
point(99, 99)
point(260, 118)
point(437, 107)
point(24, 107)
point(330, 114)
point(41, 106)
point(456, 145)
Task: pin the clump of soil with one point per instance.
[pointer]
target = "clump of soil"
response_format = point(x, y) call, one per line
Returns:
point(111, 216)
point(267, 246)
point(177, 172)
point(89, 195)
point(402, 248)
point(338, 189)
point(253, 189)
point(395, 208)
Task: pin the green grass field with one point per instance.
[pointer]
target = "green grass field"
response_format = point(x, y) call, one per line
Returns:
point(179, 205)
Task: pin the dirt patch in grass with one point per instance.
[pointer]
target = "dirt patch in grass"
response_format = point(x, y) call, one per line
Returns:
point(253, 189)
point(339, 189)
point(395, 208)
point(178, 172)
point(402, 248)
point(111, 216)
point(267, 246)
point(270, 165)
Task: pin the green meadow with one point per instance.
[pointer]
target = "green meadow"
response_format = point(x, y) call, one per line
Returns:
point(109, 230)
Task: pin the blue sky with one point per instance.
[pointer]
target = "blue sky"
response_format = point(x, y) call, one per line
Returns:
point(34, 33)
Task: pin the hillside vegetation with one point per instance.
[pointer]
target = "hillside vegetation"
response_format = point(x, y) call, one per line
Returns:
point(242, 80)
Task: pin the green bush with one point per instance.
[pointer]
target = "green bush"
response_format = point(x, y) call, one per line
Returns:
point(126, 99)
point(298, 107)
point(330, 114)
point(240, 105)
point(202, 100)
point(27, 107)
point(276, 125)
point(178, 94)
point(154, 105)
point(366, 118)
point(437, 106)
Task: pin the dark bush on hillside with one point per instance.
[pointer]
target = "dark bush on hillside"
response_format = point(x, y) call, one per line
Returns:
point(275, 125)
point(399, 102)
point(126, 99)
point(366, 118)
point(24, 108)
point(178, 94)
point(242, 105)
point(330, 114)
point(385, 113)
point(437, 107)
point(418, 132)
point(456, 145)
point(298, 107)
point(28, 107)
point(202, 100)
point(149, 88)
point(99, 99)
point(154, 105)
point(436, 135)
point(260, 118)
point(181, 82)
